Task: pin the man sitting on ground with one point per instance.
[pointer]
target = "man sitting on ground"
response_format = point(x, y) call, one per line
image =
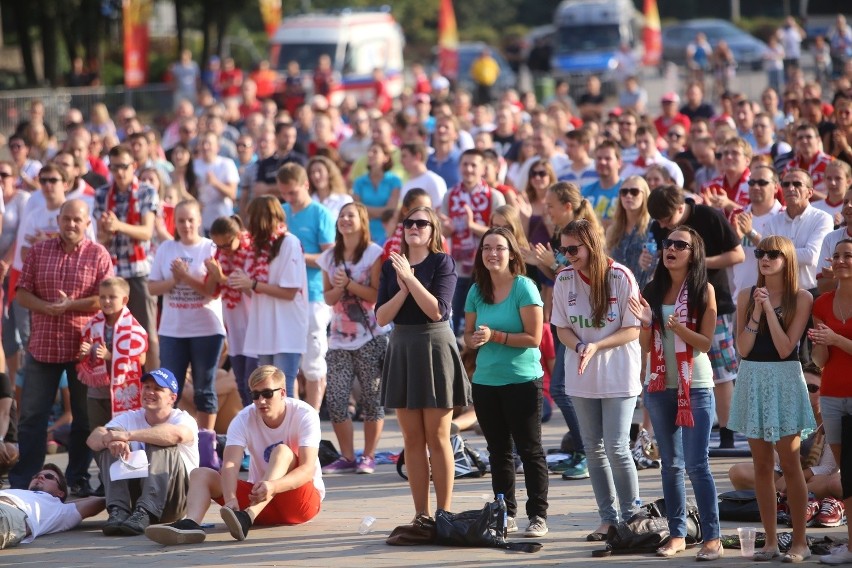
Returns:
point(284, 484)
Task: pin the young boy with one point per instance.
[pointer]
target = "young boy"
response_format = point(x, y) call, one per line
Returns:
point(112, 354)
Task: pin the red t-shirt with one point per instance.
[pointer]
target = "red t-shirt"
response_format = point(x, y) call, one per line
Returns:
point(835, 375)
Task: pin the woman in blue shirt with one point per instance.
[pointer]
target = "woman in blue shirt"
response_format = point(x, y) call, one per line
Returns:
point(378, 189)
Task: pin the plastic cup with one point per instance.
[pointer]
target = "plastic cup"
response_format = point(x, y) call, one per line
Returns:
point(747, 537)
point(367, 525)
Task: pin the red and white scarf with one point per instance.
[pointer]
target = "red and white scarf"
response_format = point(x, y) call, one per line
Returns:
point(137, 253)
point(683, 357)
point(259, 265)
point(129, 343)
point(230, 261)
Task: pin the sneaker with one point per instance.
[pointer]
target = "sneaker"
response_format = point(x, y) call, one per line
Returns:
point(839, 555)
point(117, 516)
point(562, 465)
point(100, 491)
point(536, 528)
point(80, 488)
point(511, 525)
point(726, 438)
point(832, 513)
point(812, 511)
point(782, 511)
point(136, 523)
point(366, 464)
point(641, 450)
point(185, 531)
point(340, 465)
point(238, 522)
point(579, 470)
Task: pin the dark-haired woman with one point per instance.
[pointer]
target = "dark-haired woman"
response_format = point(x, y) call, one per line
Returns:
point(678, 317)
point(351, 271)
point(503, 321)
point(423, 377)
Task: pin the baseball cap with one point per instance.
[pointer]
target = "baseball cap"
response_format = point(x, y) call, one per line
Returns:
point(164, 378)
point(671, 97)
point(440, 83)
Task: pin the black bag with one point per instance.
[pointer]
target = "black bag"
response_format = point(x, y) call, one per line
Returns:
point(739, 506)
point(327, 453)
point(476, 529)
point(648, 530)
point(468, 461)
point(420, 531)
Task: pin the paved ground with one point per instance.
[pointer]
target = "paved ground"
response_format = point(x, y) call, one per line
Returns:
point(332, 538)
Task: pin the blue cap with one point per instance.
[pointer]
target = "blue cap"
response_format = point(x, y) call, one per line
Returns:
point(164, 378)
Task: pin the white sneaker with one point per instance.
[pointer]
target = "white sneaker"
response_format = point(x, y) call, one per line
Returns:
point(837, 556)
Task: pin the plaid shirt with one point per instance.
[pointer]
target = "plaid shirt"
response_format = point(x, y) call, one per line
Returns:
point(49, 269)
point(121, 245)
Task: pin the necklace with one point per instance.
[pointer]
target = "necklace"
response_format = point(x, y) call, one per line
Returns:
point(843, 314)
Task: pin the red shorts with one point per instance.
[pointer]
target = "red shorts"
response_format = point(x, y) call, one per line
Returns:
point(292, 507)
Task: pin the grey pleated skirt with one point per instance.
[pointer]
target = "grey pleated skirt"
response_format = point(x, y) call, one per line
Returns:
point(423, 368)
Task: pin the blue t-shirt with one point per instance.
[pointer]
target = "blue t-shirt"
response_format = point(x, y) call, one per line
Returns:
point(314, 226)
point(448, 169)
point(603, 199)
point(497, 364)
point(373, 196)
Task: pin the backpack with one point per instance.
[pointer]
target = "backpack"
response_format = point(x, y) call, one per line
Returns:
point(468, 461)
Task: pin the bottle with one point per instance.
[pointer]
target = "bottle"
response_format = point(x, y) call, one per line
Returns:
point(366, 525)
point(637, 505)
point(504, 527)
point(651, 246)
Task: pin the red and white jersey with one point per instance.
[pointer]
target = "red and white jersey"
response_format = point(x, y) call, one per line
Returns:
point(816, 168)
point(736, 192)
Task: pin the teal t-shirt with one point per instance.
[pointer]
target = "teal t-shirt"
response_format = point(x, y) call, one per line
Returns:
point(314, 226)
point(497, 364)
point(702, 370)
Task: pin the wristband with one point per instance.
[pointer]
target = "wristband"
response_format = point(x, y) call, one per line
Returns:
point(577, 347)
point(755, 321)
point(750, 330)
point(643, 326)
point(254, 284)
point(505, 337)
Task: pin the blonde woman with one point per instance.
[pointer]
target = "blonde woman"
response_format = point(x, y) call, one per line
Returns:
point(630, 230)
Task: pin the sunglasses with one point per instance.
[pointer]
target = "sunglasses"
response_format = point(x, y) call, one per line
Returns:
point(538, 174)
point(772, 254)
point(419, 223)
point(47, 475)
point(119, 167)
point(242, 145)
point(570, 250)
point(4, 175)
point(797, 184)
point(674, 135)
point(760, 182)
point(812, 388)
point(677, 244)
point(634, 191)
point(44, 181)
point(265, 393)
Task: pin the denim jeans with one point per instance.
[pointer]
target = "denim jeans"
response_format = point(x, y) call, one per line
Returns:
point(605, 427)
point(243, 366)
point(41, 383)
point(562, 400)
point(686, 449)
point(463, 285)
point(176, 354)
point(510, 413)
point(288, 363)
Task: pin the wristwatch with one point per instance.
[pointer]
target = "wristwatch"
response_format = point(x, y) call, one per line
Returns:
point(752, 235)
point(555, 266)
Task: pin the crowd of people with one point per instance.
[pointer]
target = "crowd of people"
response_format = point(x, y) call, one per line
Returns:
point(347, 258)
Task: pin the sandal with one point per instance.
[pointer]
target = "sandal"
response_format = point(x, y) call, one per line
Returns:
point(765, 555)
point(596, 537)
point(668, 551)
point(709, 555)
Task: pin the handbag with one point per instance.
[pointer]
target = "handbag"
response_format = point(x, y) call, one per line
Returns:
point(359, 315)
point(420, 531)
point(477, 529)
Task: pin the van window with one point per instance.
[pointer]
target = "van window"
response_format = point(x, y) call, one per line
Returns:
point(369, 55)
point(588, 37)
point(306, 54)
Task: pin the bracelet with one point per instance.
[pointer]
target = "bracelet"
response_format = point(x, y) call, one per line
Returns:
point(643, 326)
point(755, 321)
point(505, 337)
point(254, 284)
point(750, 330)
point(577, 347)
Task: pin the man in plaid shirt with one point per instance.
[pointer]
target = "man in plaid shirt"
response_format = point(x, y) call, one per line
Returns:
point(59, 285)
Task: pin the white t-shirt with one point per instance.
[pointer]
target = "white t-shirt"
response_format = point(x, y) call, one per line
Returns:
point(300, 428)
point(213, 203)
point(186, 313)
point(434, 185)
point(280, 326)
point(611, 372)
point(745, 273)
point(135, 420)
point(832, 210)
point(830, 241)
point(13, 215)
point(334, 202)
point(348, 330)
point(46, 514)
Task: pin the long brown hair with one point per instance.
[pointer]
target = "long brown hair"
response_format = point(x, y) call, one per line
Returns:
point(790, 278)
point(599, 266)
point(436, 241)
point(363, 242)
point(265, 214)
point(551, 176)
point(619, 219)
point(516, 263)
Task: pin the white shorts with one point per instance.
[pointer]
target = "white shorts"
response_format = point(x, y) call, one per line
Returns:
point(313, 361)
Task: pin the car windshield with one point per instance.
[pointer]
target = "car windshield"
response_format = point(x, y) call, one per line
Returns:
point(305, 54)
point(715, 33)
point(571, 39)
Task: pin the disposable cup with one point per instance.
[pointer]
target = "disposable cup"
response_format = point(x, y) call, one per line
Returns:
point(747, 537)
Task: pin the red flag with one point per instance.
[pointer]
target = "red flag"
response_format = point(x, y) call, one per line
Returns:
point(136, 14)
point(448, 41)
point(270, 11)
point(651, 35)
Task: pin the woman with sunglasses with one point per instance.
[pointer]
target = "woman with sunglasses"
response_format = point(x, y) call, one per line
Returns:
point(533, 208)
point(423, 376)
point(630, 228)
point(503, 322)
point(602, 366)
point(770, 404)
point(233, 247)
point(351, 270)
point(677, 311)
point(832, 350)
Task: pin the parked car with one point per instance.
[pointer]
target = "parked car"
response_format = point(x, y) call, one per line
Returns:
point(468, 52)
point(748, 50)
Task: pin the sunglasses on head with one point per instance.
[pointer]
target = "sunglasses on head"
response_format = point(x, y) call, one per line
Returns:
point(265, 393)
point(539, 174)
point(677, 244)
point(760, 182)
point(570, 250)
point(419, 223)
point(634, 191)
point(772, 254)
point(812, 388)
point(47, 475)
